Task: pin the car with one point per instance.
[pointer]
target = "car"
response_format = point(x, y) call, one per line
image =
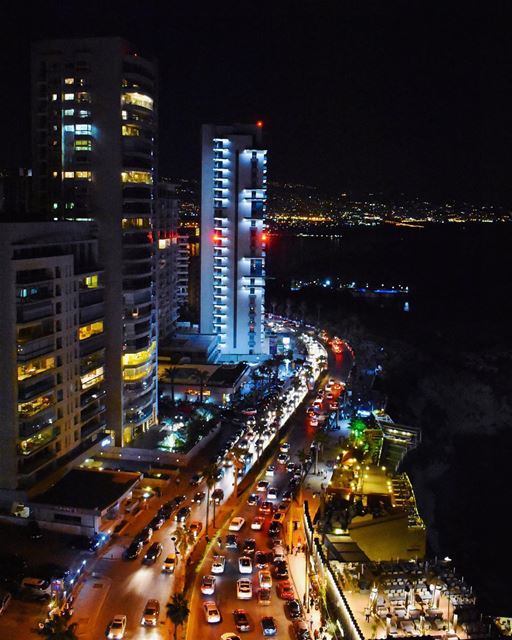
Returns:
point(217, 496)
point(329, 397)
point(293, 609)
point(38, 587)
point(261, 559)
point(231, 541)
point(264, 596)
point(297, 474)
point(278, 517)
point(253, 499)
point(310, 411)
point(249, 546)
point(285, 590)
point(218, 564)
point(5, 599)
point(333, 406)
point(285, 447)
point(313, 421)
point(133, 550)
point(117, 628)
point(290, 467)
point(220, 474)
point(283, 507)
point(270, 470)
point(241, 620)
point(300, 628)
point(151, 613)
point(169, 564)
point(283, 458)
point(244, 564)
point(144, 535)
point(244, 589)
point(229, 636)
point(157, 522)
point(257, 523)
point(274, 529)
point(199, 497)
point(281, 570)
point(208, 585)
point(236, 523)
point(196, 479)
point(266, 507)
point(272, 493)
point(268, 626)
point(179, 500)
point(153, 553)
point(211, 612)
point(183, 514)
point(265, 579)
point(262, 485)
point(195, 527)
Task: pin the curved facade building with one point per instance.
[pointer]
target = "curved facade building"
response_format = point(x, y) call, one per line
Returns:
point(94, 151)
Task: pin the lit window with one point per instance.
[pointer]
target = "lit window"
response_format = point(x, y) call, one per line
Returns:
point(144, 177)
point(69, 80)
point(91, 282)
point(140, 357)
point(55, 174)
point(69, 96)
point(138, 99)
point(130, 130)
point(91, 378)
point(54, 97)
point(83, 175)
point(124, 115)
point(69, 112)
point(83, 96)
point(83, 129)
point(29, 369)
point(84, 113)
point(90, 330)
point(136, 373)
point(55, 205)
point(69, 127)
point(83, 145)
point(66, 175)
point(131, 223)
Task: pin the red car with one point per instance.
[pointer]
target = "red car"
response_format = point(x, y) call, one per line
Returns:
point(285, 590)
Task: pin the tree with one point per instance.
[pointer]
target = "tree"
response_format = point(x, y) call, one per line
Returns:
point(178, 611)
point(58, 629)
point(171, 373)
point(210, 475)
point(320, 440)
point(303, 459)
point(184, 539)
point(201, 376)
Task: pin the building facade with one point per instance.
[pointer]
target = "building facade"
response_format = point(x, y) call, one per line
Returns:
point(52, 340)
point(233, 239)
point(94, 134)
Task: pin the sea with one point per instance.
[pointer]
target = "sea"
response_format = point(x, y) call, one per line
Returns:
point(457, 278)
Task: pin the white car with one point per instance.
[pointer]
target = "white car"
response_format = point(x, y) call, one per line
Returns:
point(262, 485)
point(271, 493)
point(257, 523)
point(285, 447)
point(208, 585)
point(236, 524)
point(265, 579)
point(211, 612)
point(229, 636)
point(117, 628)
point(244, 589)
point(245, 564)
point(283, 458)
point(270, 470)
point(218, 564)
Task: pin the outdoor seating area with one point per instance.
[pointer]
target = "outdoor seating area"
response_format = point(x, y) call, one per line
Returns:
point(404, 599)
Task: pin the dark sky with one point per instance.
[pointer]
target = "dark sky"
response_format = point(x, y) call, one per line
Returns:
point(356, 96)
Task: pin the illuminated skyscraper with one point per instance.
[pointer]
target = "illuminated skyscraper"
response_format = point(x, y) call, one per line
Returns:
point(94, 118)
point(233, 239)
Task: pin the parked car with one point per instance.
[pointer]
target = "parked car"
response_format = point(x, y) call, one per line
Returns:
point(199, 497)
point(133, 550)
point(157, 522)
point(153, 553)
point(182, 514)
point(217, 496)
point(285, 590)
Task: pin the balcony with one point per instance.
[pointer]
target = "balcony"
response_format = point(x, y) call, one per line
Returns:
point(36, 442)
point(29, 426)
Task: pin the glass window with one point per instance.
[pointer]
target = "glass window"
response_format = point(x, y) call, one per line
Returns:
point(83, 145)
point(69, 112)
point(69, 80)
point(144, 177)
point(90, 330)
point(83, 175)
point(138, 99)
point(83, 129)
point(130, 130)
point(69, 96)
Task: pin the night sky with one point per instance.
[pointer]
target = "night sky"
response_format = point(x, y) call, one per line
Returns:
point(392, 97)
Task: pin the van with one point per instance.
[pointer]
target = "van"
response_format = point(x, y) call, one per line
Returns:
point(278, 553)
point(37, 585)
point(131, 505)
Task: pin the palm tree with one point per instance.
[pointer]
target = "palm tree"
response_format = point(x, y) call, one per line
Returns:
point(320, 439)
point(178, 611)
point(303, 459)
point(201, 376)
point(210, 475)
point(235, 453)
point(184, 539)
point(171, 373)
point(259, 428)
point(59, 629)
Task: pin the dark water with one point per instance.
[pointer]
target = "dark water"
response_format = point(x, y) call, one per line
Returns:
point(460, 287)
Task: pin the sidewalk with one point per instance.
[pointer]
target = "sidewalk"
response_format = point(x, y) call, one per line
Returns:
point(89, 602)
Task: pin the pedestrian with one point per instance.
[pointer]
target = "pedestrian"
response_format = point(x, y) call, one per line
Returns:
point(367, 614)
